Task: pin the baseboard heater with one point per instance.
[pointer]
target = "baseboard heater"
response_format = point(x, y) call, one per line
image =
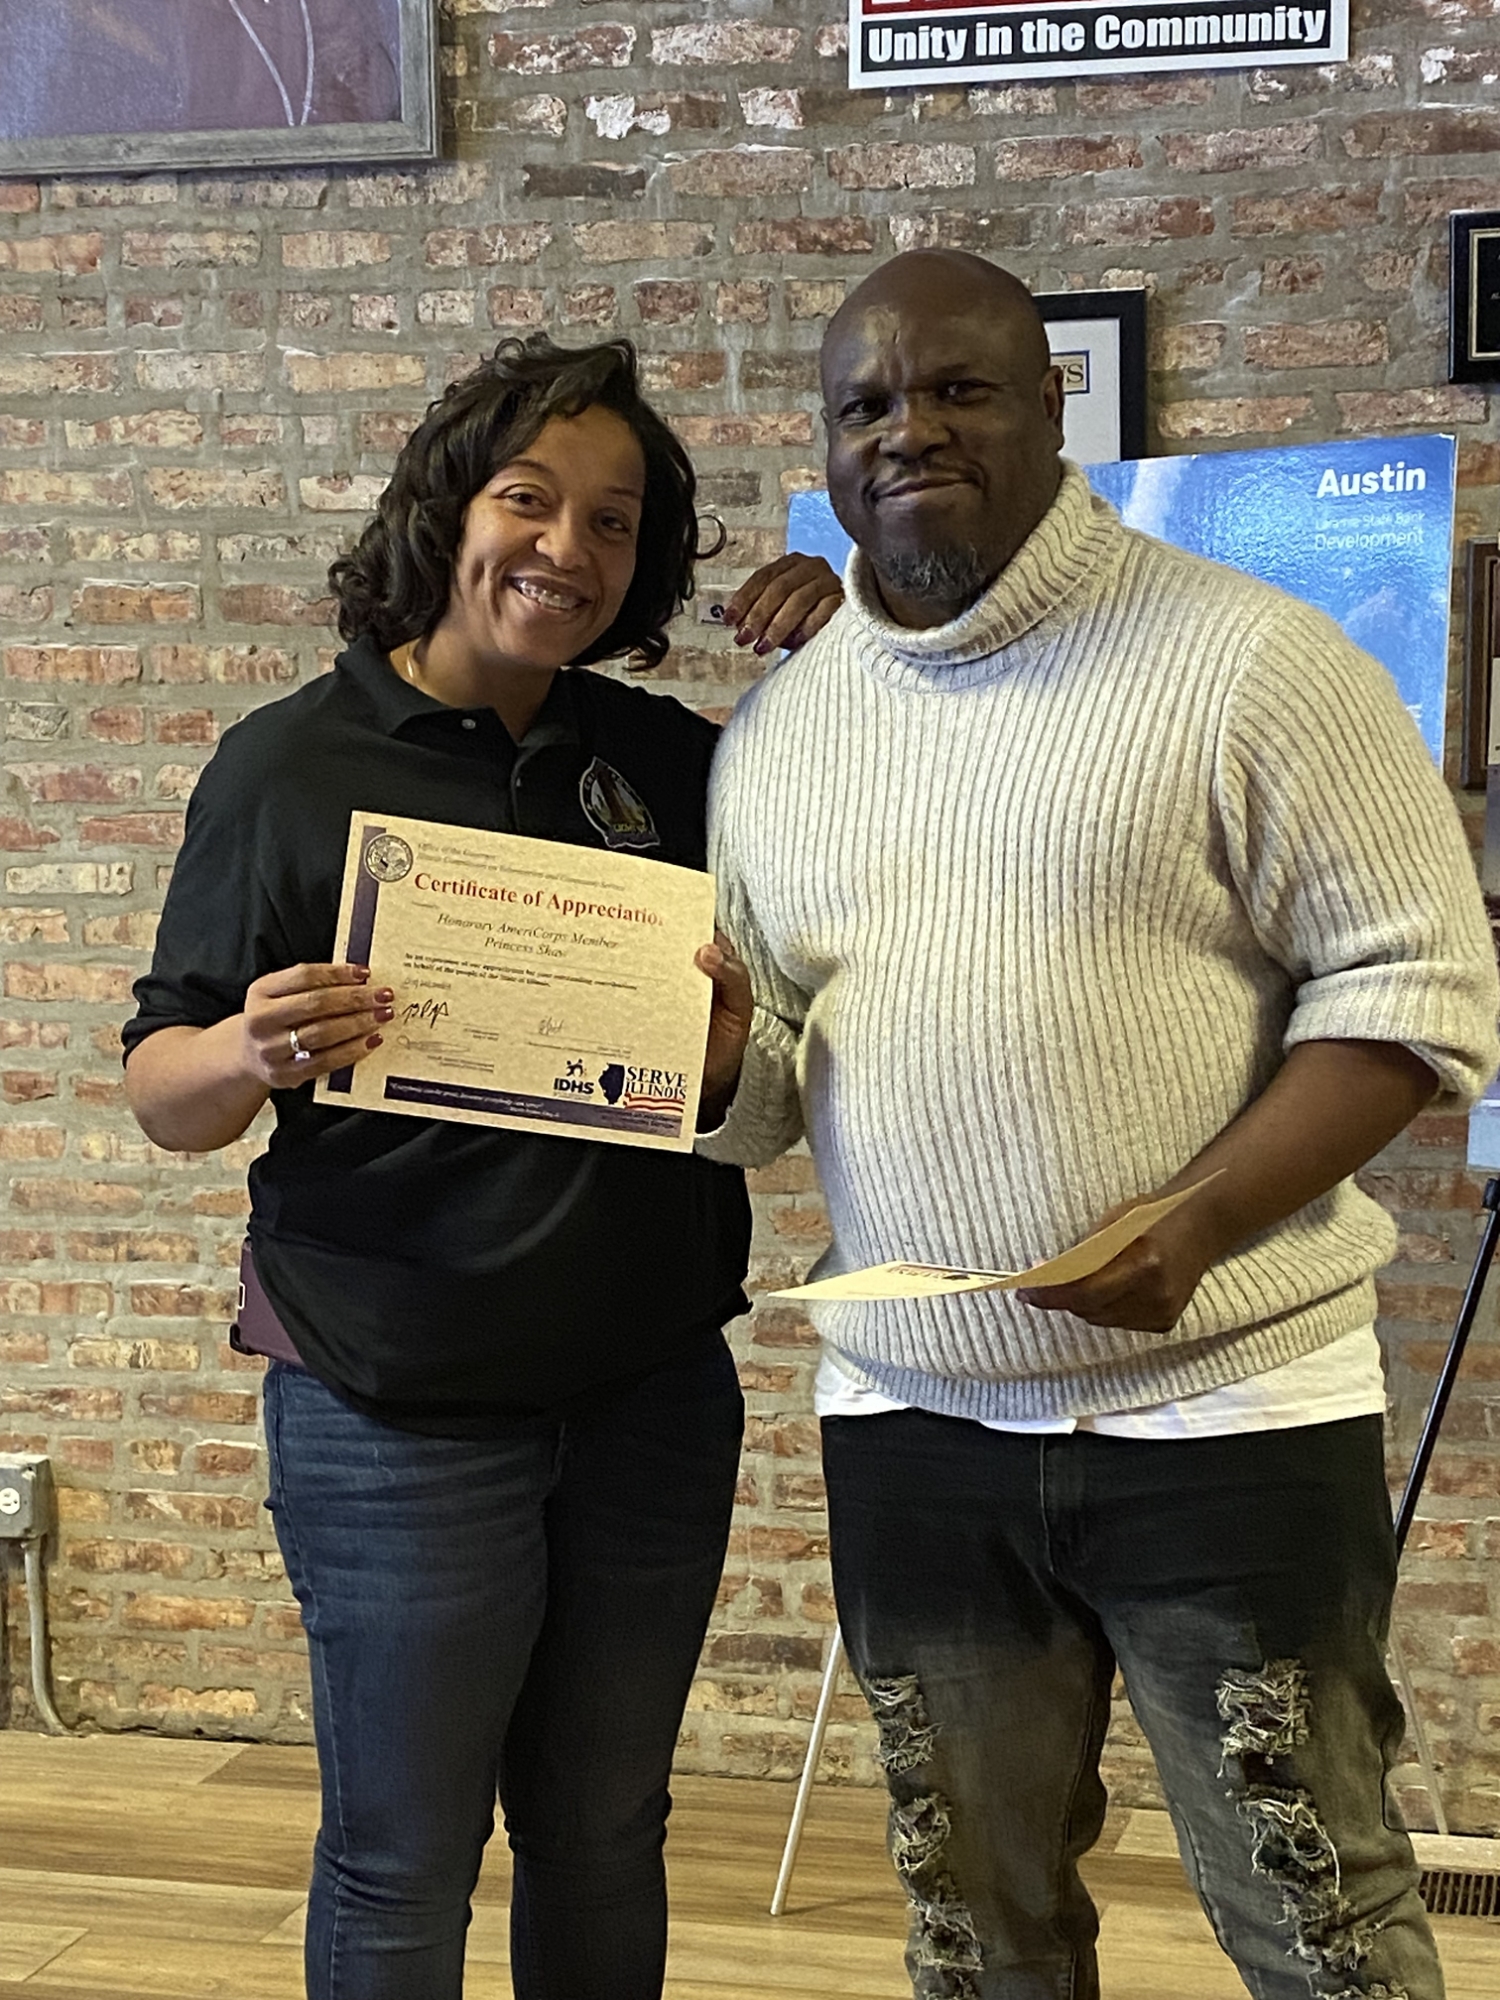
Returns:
point(1460, 1876)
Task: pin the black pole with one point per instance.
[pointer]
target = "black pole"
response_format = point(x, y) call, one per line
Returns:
point(1448, 1373)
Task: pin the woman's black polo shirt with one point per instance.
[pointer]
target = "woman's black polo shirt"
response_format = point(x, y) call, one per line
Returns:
point(443, 1276)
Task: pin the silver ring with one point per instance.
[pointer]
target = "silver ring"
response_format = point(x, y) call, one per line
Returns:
point(299, 1054)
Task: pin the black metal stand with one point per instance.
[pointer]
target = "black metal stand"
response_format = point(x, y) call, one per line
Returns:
point(1452, 1360)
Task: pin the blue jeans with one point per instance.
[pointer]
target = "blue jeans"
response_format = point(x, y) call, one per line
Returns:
point(988, 1584)
point(521, 1616)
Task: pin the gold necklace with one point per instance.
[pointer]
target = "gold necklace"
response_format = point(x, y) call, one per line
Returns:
point(404, 659)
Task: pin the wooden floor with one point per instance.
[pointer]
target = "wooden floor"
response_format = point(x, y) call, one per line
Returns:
point(134, 1868)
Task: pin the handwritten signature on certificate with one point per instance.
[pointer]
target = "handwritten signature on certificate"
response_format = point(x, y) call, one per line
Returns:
point(539, 987)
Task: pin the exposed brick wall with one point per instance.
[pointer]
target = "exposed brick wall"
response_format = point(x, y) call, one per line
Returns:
point(203, 378)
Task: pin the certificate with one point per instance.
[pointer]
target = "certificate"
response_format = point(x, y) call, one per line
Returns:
point(539, 987)
point(931, 1281)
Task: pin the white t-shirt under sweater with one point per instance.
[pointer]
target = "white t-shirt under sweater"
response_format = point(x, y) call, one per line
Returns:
point(1344, 1379)
point(1034, 904)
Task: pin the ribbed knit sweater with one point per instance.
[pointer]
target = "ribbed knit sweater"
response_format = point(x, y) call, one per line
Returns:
point(1035, 902)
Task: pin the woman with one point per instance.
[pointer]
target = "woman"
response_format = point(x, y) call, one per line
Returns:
point(504, 1440)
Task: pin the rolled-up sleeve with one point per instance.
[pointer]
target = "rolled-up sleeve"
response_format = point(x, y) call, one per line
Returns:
point(1350, 857)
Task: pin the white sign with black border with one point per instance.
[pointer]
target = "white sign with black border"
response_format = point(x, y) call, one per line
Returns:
point(893, 42)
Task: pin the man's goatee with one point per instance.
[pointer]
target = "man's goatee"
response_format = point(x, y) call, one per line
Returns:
point(957, 572)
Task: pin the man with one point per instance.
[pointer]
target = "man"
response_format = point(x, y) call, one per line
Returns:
point(1071, 870)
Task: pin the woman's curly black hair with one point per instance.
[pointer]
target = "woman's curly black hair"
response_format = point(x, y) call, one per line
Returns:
point(396, 583)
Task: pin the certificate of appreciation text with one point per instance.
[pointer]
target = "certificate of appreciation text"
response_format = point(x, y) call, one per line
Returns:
point(539, 986)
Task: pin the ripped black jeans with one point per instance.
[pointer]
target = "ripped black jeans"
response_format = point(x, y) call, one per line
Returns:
point(989, 1582)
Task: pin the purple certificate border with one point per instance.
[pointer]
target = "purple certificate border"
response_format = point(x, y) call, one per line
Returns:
point(361, 935)
point(535, 1110)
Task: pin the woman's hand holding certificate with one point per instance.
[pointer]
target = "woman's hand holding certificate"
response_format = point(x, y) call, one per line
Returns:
point(536, 984)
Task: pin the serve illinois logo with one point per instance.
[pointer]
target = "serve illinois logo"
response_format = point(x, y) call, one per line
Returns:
point(633, 1086)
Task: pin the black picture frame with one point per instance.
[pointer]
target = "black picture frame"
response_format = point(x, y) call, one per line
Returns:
point(1474, 295)
point(1481, 637)
point(185, 78)
point(1118, 376)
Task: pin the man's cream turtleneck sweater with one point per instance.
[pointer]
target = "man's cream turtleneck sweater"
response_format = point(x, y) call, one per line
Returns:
point(1034, 903)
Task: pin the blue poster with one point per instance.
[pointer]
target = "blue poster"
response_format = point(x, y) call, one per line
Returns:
point(1363, 529)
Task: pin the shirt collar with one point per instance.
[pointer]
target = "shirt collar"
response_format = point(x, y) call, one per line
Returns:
point(397, 703)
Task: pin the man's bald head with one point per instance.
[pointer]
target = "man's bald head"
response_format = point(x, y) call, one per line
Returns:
point(944, 416)
point(940, 281)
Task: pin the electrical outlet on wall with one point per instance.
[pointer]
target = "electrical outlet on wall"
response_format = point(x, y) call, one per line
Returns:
point(25, 1495)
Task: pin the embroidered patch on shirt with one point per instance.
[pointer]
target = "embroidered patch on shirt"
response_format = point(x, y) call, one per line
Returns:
point(615, 806)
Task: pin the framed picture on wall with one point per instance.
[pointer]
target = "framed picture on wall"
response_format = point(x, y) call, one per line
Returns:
point(1098, 339)
point(124, 85)
point(1481, 738)
point(1474, 296)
